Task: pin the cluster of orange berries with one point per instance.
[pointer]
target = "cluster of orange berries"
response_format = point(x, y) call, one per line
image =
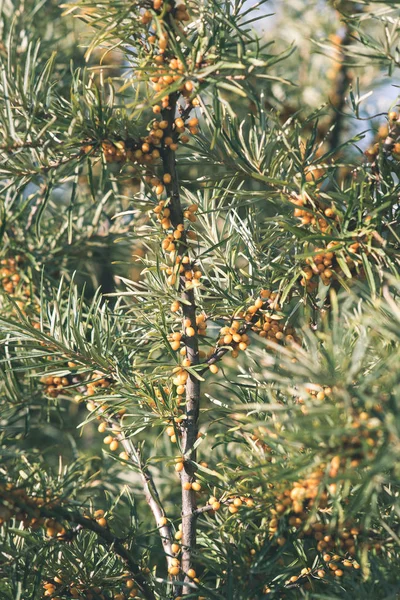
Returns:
point(231, 336)
point(56, 587)
point(335, 564)
point(11, 500)
point(190, 329)
point(320, 265)
point(185, 268)
point(146, 151)
point(272, 328)
point(168, 70)
point(10, 275)
point(333, 560)
point(265, 323)
point(319, 393)
point(392, 130)
point(98, 382)
point(305, 212)
point(324, 265)
point(143, 152)
point(110, 440)
point(163, 213)
point(54, 386)
point(99, 517)
point(234, 503)
point(296, 503)
point(367, 435)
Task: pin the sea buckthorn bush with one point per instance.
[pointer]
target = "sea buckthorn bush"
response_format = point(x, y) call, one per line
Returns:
point(199, 315)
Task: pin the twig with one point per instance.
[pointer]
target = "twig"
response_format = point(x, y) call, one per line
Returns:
point(203, 509)
point(151, 494)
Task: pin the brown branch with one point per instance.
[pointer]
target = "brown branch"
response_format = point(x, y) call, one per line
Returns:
point(190, 424)
point(73, 516)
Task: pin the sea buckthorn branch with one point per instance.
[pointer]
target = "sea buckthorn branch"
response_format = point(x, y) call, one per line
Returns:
point(85, 522)
point(192, 387)
point(132, 454)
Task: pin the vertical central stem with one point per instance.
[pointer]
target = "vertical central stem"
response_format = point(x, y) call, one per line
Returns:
point(190, 425)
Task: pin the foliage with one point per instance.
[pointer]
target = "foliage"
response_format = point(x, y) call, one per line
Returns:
point(199, 268)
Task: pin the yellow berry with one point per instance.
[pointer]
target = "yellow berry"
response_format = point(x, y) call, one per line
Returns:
point(114, 445)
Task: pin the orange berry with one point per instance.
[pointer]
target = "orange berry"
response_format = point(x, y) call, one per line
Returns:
point(114, 445)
